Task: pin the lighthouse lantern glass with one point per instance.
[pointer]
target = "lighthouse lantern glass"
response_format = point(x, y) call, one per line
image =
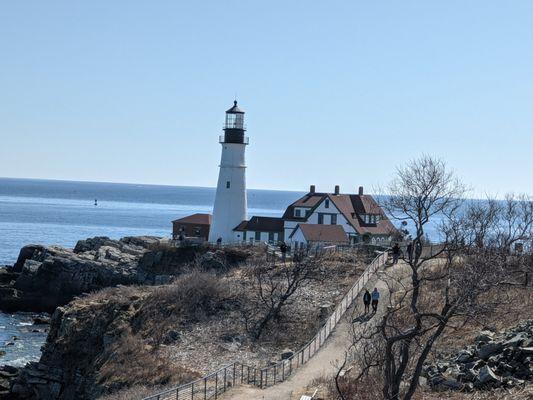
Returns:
point(234, 121)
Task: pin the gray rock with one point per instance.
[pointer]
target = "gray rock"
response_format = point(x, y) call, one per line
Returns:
point(464, 356)
point(489, 349)
point(286, 354)
point(485, 336)
point(515, 340)
point(487, 376)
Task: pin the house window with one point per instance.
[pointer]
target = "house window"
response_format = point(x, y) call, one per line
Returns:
point(307, 213)
point(270, 236)
point(257, 235)
point(326, 204)
point(228, 184)
point(333, 219)
point(244, 236)
point(297, 212)
point(320, 218)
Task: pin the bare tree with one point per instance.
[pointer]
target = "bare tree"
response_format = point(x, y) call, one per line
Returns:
point(438, 290)
point(272, 288)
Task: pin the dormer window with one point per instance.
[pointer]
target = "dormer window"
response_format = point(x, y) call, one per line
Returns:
point(326, 203)
point(297, 212)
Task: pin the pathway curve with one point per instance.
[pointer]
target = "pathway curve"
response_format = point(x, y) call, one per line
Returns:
point(322, 363)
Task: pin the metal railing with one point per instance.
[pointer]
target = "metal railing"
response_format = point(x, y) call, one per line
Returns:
point(220, 381)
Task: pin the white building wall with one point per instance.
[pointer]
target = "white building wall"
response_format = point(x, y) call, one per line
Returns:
point(313, 219)
point(230, 202)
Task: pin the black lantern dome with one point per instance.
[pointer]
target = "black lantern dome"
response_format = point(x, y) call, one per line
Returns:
point(234, 127)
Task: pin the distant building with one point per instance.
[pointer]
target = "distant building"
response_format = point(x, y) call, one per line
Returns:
point(306, 236)
point(260, 229)
point(192, 226)
point(359, 215)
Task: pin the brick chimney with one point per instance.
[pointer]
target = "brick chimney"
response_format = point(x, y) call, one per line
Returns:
point(337, 189)
point(312, 189)
point(360, 190)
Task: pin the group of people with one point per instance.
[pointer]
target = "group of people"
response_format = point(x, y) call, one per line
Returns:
point(397, 252)
point(371, 298)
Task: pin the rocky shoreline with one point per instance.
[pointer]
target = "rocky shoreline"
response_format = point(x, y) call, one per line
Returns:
point(44, 278)
point(496, 360)
point(48, 279)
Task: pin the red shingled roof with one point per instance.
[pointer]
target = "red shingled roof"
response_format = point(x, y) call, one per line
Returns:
point(322, 233)
point(351, 206)
point(199, 219)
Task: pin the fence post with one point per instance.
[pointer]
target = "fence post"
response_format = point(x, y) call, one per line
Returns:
point(290, 366)
point(233, 374)
point(205, 388)
point(216, 384)
point(242, 372)
point(282, 370)
point(275, 374)
point(225, 375)
point(192, 391)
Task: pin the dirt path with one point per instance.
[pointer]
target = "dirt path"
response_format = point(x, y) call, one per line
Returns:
point(322, 364)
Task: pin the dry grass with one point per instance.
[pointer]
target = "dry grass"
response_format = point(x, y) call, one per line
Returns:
point(191, 298)
point(129, 362)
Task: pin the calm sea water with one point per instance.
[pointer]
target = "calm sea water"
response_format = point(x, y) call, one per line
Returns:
point(59, 212)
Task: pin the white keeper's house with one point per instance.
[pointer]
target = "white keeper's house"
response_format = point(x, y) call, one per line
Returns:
point(317, 218)
point(323, 218)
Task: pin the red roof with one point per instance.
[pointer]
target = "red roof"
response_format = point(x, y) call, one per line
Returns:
point(354, 206)
point(198, 219)
point(351, 206)
point(322, 233)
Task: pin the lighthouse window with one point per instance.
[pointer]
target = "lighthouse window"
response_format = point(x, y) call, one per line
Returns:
point(228, 184)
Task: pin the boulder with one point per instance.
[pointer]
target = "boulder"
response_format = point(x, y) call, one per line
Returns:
point(487, 377)
point(41, 320)
point(485, 336)
point(465, 356)
point(286, 354)
point(485, 351)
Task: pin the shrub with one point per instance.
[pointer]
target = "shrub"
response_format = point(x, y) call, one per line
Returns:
point(191, 298)
point(131, 362)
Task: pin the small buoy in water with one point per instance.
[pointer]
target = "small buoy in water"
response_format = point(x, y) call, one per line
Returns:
point(95, 202)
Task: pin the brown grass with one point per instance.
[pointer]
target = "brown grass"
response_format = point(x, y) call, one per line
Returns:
point(191, 298)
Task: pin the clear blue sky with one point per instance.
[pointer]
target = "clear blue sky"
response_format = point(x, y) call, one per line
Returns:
point(335, 92)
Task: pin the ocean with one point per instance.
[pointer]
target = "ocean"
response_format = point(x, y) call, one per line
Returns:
point(63, 212)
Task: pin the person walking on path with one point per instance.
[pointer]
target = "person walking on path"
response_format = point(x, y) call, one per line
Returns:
point(375, 299)
point(410, 251)
point(366, 300)
point(395, 253)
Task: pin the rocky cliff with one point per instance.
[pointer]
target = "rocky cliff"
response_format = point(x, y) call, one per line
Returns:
point(44, 278)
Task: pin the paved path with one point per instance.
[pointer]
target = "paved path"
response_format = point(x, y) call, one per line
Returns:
point(321, 364)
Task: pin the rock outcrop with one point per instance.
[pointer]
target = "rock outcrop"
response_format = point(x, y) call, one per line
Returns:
point(44, 278)
point(496, 360)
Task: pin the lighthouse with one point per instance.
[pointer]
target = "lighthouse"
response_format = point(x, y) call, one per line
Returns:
point(230, 199)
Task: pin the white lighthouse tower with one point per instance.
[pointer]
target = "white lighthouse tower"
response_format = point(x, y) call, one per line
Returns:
point(230, 199)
